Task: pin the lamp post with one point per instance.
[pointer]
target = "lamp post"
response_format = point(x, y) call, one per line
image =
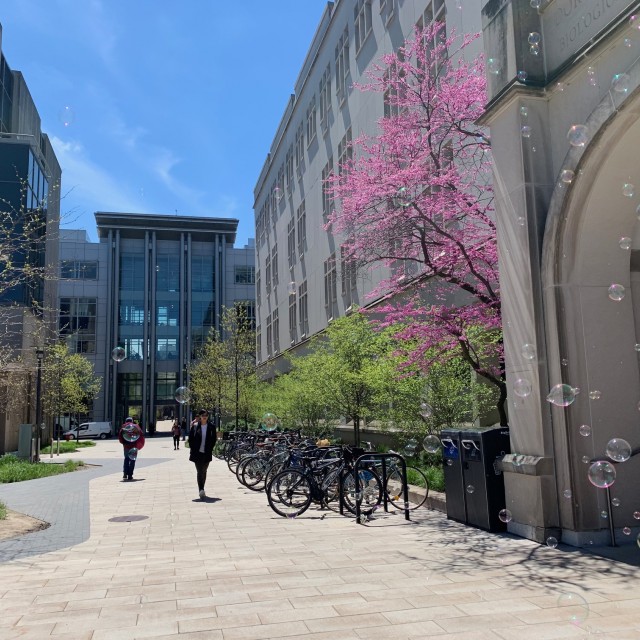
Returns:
point(39, 356)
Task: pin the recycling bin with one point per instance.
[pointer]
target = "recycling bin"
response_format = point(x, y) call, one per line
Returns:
point(453, 478)
point(480, 453)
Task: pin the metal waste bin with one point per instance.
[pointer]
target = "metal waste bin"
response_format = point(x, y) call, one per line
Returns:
point(453, 479)
point(480, 453)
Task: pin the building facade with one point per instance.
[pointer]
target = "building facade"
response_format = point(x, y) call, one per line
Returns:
point(302, 282)
point(154, 285)
point(29, 221)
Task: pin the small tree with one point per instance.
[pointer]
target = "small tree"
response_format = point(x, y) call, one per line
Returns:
point(419, 199)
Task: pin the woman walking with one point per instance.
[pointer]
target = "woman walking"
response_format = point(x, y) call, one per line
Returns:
point(175, 432)
point(202, 438)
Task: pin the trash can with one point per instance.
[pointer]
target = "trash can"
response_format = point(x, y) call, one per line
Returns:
point(453, 479)
point(480, 452)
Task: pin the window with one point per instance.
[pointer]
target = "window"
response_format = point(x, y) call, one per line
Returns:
point(167, 273)
point(202, 274)
point(391, 94)
point(275, 322)
point(131, 273)
point(130, 386)
point(311, 121)
point(245, 274)
point(202, 313)
point(280, 190)
point(330, 286)
point(167, 314)
point(289, 169)
point(269, 337)
point(327, 200)
point(345, 152)
point(435, 12)
point(342, 65)
point(78, 270)
point(274, 264)
point(362, 20)
point(325, 97)
point(302, 228)
point(166, 384)
point(167, 349)
point(248, 309)
point(133, 348)
point(291, 242)
point(258, 288)
point(258, 344)
point(387, 10)
point(77, 324)
point(293, 324)
point(299, 148)
point(267, 273)
point(131, 313)
point(349, 276)
point(262, 223)
point(303, 311)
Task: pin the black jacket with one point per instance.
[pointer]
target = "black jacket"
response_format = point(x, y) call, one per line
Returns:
point(195, 440)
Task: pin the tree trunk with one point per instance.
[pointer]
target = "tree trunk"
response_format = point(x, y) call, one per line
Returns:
point(356, 430)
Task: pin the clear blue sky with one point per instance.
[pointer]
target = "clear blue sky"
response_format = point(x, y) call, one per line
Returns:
point(155, 106)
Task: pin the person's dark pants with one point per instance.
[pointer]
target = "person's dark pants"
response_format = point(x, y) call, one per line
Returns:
point(202, 464)
point(176, 442)
point(129, 465)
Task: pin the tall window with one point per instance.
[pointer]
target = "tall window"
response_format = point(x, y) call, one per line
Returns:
point(202, 274)
point(269, 337)
point(245, 274)
point(303, 310)
point(131, 312)
point(291, 242)
point(167, 273)
point(77, 324)
point(362, 20)
point(299, 148)
point(327, 200)
point(258, 344)
point(167, 314)
point(248, 308)
point(267, 273)
point(258, 288)
point(280, 186)
point(325, 97)
point(167, 349)
point(345, 152)
point(131, 273)
point(301, 220)
point(79, 269)
point(311, 121)
point(349, 276)
point(202, 313)
point(435, 12)
point(166, 382)
point(330, 286)
point(387, 10)
point(342, 65)
point(289, 169)
point(276, 331)
point(293, 324)
point(133, 348)
point(274, 264)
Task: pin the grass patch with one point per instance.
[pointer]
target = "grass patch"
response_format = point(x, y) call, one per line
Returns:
point(3, 511)
point(69, 446)
point(14, 470)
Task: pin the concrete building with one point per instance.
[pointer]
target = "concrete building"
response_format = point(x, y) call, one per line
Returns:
point(301, 281)
point(29, 219)
point(563, 111)
point(154, 285)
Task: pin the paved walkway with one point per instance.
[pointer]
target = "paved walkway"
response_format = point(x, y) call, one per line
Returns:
point(231, 569)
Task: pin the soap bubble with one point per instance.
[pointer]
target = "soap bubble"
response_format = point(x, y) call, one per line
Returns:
point(118, 354)
point(403, 197)
point(627, 42)
point(604, 514)
point(470, 488)
point(637, 346)
point(536, 3)
point(634, 22)
point(522, 387)
point(493, 67)
point(552, 542)
point(524, 112)
point(578, 609)
point(567, 176)
point(585, 430)
point(410, 448)
point(628, 190)
point(269, 420)
point(560, 86)
point(426, 410)
point(522, 75)
point(132, 454)
point(431, 444)
point(586, 459)
point(564, 362)
point(277, 192)
point(602, 474)
point(625, 243)
point(567, 493)
point(529, 351)
point(618, 450)
point(616, 292)
point(534, 49)
point(130, 433)
point(562, 395)
point(182, 395)
point(67, 116)
point(636, 515)
point(621, 82)
point(615, 502)
point(534, 38)
point(526, 131)
point(505, 515)
point(578, 135)
point(626, 531)
point(595, 395)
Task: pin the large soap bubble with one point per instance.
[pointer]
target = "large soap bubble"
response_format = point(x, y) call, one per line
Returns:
point(562, 395)
point(132, 454)
point(118, 354)
point(410, 448)
point(602, 474)
point(182, 395)
point(130, 433)
point(270, 420)
point(616, 292)
point(431, 444)
point(578, 135)
point(522, 387)
point(618, 449)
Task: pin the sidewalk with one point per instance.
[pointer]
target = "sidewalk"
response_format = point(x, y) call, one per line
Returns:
point(231, 569)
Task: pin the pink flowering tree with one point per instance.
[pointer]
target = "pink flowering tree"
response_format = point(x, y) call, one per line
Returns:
point(418, 198)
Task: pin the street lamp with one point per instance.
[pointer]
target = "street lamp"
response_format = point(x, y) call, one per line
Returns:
point(39, 356)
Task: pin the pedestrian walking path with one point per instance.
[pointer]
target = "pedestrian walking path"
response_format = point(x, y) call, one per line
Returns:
point(228, 568)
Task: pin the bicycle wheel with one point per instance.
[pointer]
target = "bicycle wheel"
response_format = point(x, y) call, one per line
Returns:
point(370, 488)
point(331, 486)
point(253, 474)
point(289, 493)
point(239, 468)
point(418, 487)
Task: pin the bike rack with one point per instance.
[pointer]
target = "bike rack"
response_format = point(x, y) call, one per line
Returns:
point(382, 457)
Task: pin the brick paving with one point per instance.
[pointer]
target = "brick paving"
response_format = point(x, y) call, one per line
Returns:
point(231, 569)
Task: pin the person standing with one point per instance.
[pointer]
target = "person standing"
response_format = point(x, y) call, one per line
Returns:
point(183, 426)
point(132, 440)
point(202, 438)
point(175, 432)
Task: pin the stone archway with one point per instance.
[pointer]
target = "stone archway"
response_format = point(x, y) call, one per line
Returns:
point(590, 337)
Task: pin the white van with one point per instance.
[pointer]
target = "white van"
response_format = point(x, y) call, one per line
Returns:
point(100, 430)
